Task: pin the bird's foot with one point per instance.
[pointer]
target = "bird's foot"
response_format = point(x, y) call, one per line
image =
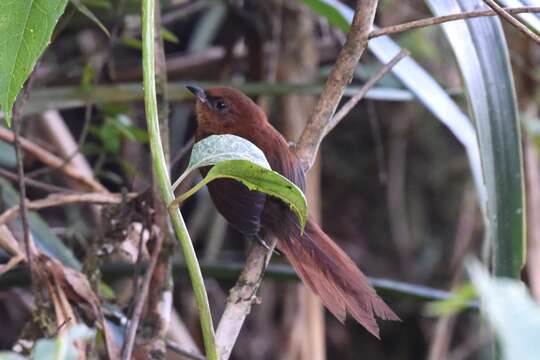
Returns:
point(261, 242)
point(264, 244)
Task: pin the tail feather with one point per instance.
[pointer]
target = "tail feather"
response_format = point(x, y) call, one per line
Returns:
point(331, 274)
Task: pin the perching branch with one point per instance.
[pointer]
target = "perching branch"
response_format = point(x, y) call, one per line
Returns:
point(417, 24)
point(241, 297)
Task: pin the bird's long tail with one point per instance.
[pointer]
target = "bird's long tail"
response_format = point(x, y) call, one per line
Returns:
point(331, 274)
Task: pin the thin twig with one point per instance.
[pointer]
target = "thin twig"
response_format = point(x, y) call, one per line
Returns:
point(52, 160)
point(416, 24)
point(351, 103)
point(244, 292)
point(36, 183)
point(512, 20)
point(174, 347)
point(141, 300)
point(63, 199)
point(76, 152)
point(341, 75)
point(17, 143)
point(182, 152)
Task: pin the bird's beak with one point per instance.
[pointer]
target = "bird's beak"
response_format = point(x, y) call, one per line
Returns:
point(198, 92)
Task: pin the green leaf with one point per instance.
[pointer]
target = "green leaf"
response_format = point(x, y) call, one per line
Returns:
point(216, 148)
point(482, 54)
point(90, 15)
point(511, 311)
point(129, 131)
point(332, 10)
point(169, 36)
point(460, 301)
point(26, 27)
point(257, 178)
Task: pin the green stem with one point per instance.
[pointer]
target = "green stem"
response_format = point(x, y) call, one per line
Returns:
point(180, 199)
point(162, 174)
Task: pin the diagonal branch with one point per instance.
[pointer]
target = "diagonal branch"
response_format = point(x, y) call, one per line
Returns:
point(512, 20)
point(52, 160)
point(349, 105)
point(64, 199)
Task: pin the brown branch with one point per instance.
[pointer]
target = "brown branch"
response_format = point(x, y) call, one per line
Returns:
point(142, 296)
point(63, 199)
point(35, 183)
point(241, 297)
point(351, 103)
point(341, 75)
point(174, 347)
point(416, 24)
point(512, 20)
point(52, 160)
point(180, 154)
point(17, 120)
point(243, 294)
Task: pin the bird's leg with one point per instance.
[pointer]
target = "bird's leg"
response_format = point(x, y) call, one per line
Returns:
point(261, 241)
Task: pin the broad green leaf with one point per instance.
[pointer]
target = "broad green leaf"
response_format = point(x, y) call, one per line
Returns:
point(257, 178)
point(90, 15)
point(216, 148)
point(510, 310)
point(26, 27)
point(482, 54)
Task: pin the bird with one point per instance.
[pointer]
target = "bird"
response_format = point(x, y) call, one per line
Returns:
point(319, 262)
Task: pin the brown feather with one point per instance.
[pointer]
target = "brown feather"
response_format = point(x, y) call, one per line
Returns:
point(319, 262)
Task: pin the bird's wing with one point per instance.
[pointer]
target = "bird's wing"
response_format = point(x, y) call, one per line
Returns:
point(241, 207)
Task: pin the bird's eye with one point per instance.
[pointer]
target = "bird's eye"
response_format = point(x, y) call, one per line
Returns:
point(220, 105)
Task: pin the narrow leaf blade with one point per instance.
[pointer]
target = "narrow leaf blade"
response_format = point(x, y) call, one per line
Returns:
point(510, 310)
point(482, 53)
point(83, 9)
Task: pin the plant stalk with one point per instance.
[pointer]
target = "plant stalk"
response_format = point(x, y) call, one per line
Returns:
point(160, 167)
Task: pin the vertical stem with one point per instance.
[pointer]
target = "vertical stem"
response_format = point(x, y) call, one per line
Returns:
point(162, 176)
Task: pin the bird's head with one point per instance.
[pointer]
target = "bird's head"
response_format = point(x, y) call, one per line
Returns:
point(222, 110)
